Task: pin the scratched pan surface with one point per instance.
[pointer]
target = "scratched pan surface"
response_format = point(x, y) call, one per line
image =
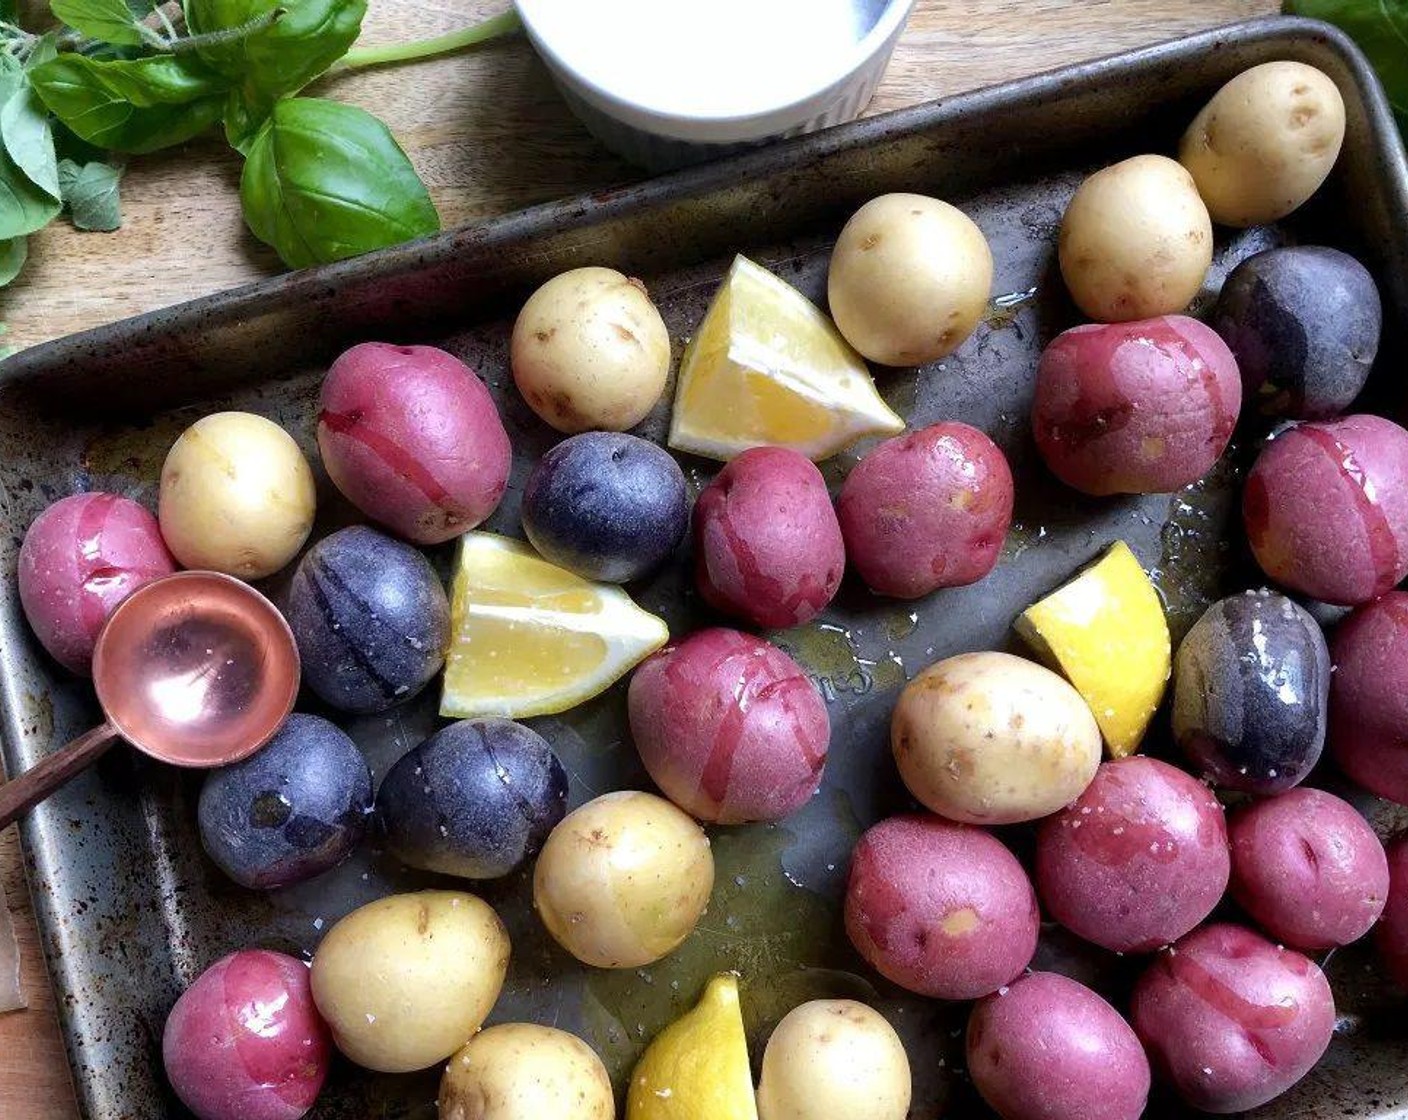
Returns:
point(131, 911)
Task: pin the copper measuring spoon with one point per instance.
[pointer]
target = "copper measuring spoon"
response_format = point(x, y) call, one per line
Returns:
point(195, 669)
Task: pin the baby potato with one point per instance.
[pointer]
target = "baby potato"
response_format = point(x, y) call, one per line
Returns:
point(623, 880)
point(834, 1059)
point(989, 738)
point(521, 1071)
point(405, 981)
point(590, 351)
point(1265, 142)
point(237, 496)
point(910, 279)
point(1136, 241)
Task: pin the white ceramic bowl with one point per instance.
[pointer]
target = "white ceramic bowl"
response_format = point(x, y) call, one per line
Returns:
point(615, 71)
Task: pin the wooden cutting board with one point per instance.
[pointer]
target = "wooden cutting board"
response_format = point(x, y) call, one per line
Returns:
point(489, 135)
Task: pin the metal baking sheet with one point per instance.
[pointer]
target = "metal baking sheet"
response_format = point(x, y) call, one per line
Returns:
point(131, 911)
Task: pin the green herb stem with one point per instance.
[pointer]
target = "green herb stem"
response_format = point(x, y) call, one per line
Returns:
point(491, 28)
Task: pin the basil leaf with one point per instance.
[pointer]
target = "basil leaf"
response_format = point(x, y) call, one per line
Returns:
point(245, 117)
point(324, 181)
point(12, 257)
point(24, 206)
point(90, 193)
point(24, 128)
point(304, 38)
point(45, 49)
point(1380, 28)
point(108, 21)
point(131, 105)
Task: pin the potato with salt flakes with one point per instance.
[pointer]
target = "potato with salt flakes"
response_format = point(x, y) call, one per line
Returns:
point(590, 351)
point(909, 280)
point(1136, 241)
point(1265, 142)
point(405, 981)
point(522, 1071)
point(834, 1059)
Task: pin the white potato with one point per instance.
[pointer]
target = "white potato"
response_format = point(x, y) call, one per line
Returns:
point(590, 352)
point(623, 880)
point(910, 279)
point(1265, 142)
point(521, 1071)
point(405, 981)
point(237, 496)
point(1136, 241)
point(834, 1060)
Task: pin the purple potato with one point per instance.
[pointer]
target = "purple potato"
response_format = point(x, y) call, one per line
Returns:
point(475, 799)
point(1303, 323)
point(1251, 690)
point(371, 619)
point(292, 810)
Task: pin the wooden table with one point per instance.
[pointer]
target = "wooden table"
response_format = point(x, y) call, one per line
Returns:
point(488, 135)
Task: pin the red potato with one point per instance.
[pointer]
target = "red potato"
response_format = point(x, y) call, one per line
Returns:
point(1048, 1048)
point(927, 510)
point(766, 541)
point(1230, 1019)
point(941, 909)
point(244, 1042)
point(1368, 725)
point(412, 437)
point(729, 727)
point(80, 558)
point(1138, 860)
point(1326, 508)
point(1308, 868)
point(1135, 408)
point(1391, 936)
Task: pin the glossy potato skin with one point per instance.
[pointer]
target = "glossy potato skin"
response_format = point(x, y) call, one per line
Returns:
point(475, 799)
point(371, 619)
point(1391, 935)
point(1251, 693)
point(1143, 407)
point(623, 880)
point(1325, 508)
point(767, 545)
point(729, 727)
point(522, 1071)
point(1231, 1020)
point(1138, 861)
point(989, 738)
point(926, 510)
point(606, 505)
point(292, 810)
point(405, 981)
point(412, 437)
point(1048, 1048)
point(1303, 322)
point(938, 908)
point(1308, 868)
point(80, 558)
point(1369, 696)
point(244, 1041)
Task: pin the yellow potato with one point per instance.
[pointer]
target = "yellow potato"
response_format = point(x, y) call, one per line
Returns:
point(521, 1071)
point(988, 738)
point(237, 496)
point(910, 279)
point(405, 981)
point(834, 1060)
point(623, 880)
point(590, 351)
point(1265, 142)
point(1136, 241)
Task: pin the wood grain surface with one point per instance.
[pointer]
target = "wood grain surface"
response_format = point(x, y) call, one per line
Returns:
point(488, 134)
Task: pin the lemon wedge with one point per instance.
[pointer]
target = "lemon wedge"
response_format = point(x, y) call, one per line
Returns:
point(767, 368)
point(697, 1067)
point(1106, 631)
point(529, 638)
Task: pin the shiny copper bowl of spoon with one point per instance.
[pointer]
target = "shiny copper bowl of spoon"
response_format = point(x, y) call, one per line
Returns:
point(196, 669)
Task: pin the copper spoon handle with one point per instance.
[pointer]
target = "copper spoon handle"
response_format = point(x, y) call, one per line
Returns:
point(24, 791)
